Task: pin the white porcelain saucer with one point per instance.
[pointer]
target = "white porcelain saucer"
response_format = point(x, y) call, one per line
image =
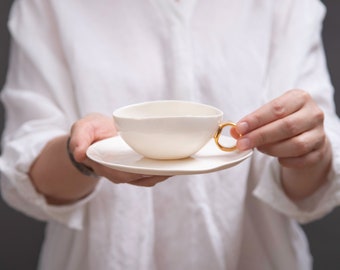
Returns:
point(116, 154)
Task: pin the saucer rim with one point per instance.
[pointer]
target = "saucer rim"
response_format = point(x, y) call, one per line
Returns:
point(242, 155)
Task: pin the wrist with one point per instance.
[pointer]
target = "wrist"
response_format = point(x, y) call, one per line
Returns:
point(81, 167)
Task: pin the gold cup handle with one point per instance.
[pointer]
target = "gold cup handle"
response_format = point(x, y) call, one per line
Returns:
point(218, 134)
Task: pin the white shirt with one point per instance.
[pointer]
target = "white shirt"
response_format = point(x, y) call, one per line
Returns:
point(73, 57)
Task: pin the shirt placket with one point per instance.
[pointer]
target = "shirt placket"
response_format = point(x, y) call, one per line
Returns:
point(180, 64)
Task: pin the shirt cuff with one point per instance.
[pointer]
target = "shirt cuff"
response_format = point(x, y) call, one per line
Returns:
point(270, 191)
point(19, 192)
point(23, 196)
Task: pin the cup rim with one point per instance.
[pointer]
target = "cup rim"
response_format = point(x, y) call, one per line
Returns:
point(118, 113)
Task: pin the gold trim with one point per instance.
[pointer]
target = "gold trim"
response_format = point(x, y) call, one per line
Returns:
point(218, 134)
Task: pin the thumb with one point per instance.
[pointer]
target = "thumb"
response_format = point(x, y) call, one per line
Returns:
point(88, 130)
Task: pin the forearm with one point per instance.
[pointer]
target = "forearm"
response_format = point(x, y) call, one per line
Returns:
point(54, 176)
point(299, 183)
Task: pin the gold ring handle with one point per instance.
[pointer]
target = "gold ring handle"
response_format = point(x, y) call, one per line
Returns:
point(218, 134)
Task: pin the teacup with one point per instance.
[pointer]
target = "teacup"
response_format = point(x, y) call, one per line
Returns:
point(170, 129)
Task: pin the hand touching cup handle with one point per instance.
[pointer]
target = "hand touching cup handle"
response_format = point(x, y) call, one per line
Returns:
point(290, 128)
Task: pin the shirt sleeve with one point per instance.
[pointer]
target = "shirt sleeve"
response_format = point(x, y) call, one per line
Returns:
point(298, 61)
point(39, 106)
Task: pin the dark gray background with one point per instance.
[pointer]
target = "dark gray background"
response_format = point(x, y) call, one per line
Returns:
point(21, 237)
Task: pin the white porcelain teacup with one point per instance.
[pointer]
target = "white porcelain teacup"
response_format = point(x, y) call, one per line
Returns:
point(170, 129)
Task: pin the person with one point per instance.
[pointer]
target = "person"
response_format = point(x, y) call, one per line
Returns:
point(262, 62)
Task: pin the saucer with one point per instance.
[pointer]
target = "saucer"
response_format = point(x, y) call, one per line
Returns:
point(116, 154)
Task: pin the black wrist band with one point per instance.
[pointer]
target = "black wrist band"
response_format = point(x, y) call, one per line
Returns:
point(82, 168)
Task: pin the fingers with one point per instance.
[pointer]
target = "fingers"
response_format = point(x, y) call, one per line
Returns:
point(307, 160)
point(296, 146)
point(289, 128)
point(316, 155)
point(149, 181)
point(279, 108)
point(284, 118)
point(283, 129)
point(120, 177)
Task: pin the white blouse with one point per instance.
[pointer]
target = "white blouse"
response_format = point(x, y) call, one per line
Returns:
point(73, 57)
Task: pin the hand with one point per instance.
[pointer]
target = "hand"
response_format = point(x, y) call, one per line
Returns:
point(290, 128)
point(95, 127)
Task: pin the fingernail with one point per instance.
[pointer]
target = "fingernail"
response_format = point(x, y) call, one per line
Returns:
point(243, 144)
point(242, 127)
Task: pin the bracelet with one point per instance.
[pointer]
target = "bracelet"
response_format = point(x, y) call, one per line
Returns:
point(82, 168)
